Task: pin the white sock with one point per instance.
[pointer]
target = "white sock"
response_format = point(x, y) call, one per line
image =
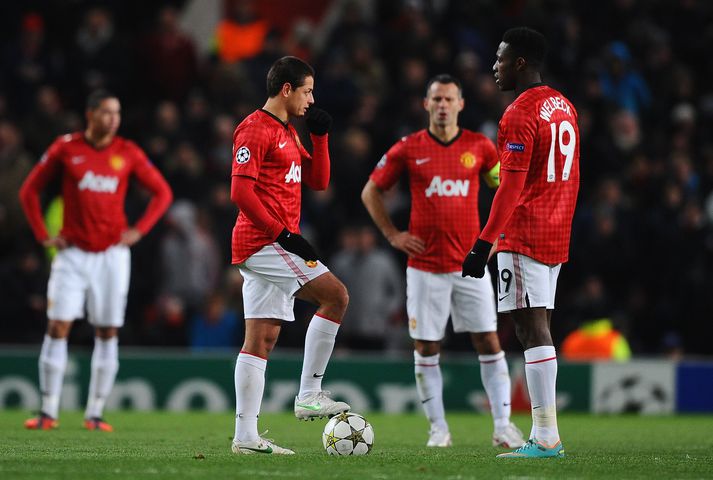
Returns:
point(52, 364)
point(496, 380)
point(249, 387)
point(541, 373)
point(429, 384)
point(105, 364)
point(319, 343)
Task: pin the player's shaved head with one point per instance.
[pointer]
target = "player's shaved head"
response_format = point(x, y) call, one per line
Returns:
point(445, 79)
point(95, 98)
point(290, 70)
point(527, 43)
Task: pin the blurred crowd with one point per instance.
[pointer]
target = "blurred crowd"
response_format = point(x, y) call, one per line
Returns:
point(637, 71)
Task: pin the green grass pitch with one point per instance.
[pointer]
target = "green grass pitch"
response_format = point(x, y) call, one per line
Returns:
point(197, 446)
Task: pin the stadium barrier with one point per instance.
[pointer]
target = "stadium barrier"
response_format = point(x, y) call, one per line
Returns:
point(188, 381)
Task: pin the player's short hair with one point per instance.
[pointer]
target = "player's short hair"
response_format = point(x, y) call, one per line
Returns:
point(290, 70)
point(97, 97)
point(527, 43)
point(445, 79)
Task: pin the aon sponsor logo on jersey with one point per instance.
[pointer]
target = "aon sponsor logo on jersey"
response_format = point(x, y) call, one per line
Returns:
point(295, 174)
point(448, 188)
point(98, 183)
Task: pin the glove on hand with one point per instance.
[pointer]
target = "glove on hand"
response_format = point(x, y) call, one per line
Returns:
point(318, 121)
point(296, 243)
point(474, 264)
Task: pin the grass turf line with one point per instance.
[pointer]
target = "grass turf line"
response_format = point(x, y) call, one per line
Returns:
point(197, 446)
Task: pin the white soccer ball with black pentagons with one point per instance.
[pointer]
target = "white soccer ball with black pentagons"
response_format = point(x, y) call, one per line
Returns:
point(348, 434)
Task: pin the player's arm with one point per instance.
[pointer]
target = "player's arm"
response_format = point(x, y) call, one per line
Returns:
point(242, 193)
point(161, 196)
point(47, 169)
point(373, 198)
point(504, 203)
point(315, 173)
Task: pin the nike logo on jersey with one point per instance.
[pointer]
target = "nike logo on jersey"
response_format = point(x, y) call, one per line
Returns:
point(78, 159)
point(421, 161)
point(282, 144)
point(448, 188)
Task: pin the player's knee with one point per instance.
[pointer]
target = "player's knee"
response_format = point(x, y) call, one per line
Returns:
point(58, 329)
point(486, 343)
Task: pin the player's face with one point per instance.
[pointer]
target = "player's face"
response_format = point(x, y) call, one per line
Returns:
point(504, 68)
point(443, 104)
point(106, 118)
point(300, 99)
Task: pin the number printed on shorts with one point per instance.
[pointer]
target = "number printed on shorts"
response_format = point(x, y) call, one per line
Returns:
point(505, 279)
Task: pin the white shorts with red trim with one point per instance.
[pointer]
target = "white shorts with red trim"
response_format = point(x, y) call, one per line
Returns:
point(99, 280)
point(523, 282)
point(272, 277)
point(432, 297)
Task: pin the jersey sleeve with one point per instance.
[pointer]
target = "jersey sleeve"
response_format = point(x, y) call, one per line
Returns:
point(392, 164)
point(149, 176)
point(251, 144)
point(49, 166)
point(517, 136)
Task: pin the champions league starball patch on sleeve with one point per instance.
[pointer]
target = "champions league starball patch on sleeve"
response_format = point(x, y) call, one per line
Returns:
point(242, 155)
point(515, 147)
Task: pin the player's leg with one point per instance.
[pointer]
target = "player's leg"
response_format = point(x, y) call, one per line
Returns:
point(266, 306)
point(473, 310)
point(532, 285)
point(65, 302)
point(427, 308)
point(331, 296)
point(109, 273)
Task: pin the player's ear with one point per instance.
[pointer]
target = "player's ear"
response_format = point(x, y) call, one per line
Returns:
point(461, 104)
point(425, 103)
point(520, 64)
point(286, 89)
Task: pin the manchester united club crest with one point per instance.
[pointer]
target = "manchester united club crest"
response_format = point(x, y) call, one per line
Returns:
point(412, 323)
point(117, 162)
point(468, 160)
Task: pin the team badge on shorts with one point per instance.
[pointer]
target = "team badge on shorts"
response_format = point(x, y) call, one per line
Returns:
point(468, 160)
point(311, 263)
point(412, 323)
point(242, 155)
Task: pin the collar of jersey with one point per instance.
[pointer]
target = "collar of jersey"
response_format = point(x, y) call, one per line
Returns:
point(445, 144)
point(274, 117)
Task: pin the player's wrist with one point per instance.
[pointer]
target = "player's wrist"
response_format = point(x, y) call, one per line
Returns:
point(482, 247)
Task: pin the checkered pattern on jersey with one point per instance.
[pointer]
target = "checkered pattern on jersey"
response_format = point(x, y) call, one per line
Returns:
point(269, 151)
point(94, 184)
point(444, 180)
point(538, 134)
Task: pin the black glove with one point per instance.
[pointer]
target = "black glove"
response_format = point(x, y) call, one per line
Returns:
point(474, 263)
point(318, 121)
point(296, 243)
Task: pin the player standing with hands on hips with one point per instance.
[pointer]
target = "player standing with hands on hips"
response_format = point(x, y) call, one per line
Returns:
point(276, 262)
point(444, 164)
point(531, 220)
point(93, 262)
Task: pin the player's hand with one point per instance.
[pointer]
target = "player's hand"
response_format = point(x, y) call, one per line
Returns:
point(476, 260)
point(318, 121)
point(411, 245)
point(58, 242)
point(296, 243)
point(130, 237)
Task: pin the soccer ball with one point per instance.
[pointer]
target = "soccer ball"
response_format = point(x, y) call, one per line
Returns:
point(348, 434)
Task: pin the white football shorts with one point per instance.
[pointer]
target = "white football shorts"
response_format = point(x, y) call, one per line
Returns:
point(98, 279)
point(523, 282)
point(432, 297)
point(272, 276)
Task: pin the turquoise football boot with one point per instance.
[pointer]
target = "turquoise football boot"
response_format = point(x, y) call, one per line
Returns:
point(535, 449)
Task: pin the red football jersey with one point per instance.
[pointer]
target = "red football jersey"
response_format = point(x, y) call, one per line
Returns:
point(539, 134)
point(444, 180)
point(94, 184)
point(269, 151)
